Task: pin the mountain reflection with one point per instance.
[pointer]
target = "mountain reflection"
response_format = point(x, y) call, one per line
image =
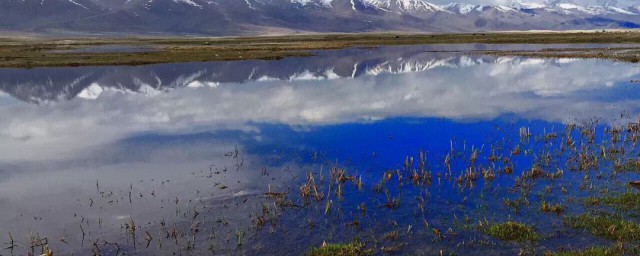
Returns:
point(93, 106)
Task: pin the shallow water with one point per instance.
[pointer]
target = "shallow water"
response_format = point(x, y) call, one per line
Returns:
point(187, 151)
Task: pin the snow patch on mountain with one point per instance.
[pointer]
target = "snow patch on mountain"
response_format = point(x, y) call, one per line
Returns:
point(461, 8)
point(564, 7)
point(419, 6)
point(570, 7)
point(189, 2)
point(621, 11)
point(464, 9)
point(150, 3)
point(412, 6)
point(78, 4)
point(323, 3)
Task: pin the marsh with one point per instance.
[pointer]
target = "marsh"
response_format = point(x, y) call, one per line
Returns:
point(420, 149)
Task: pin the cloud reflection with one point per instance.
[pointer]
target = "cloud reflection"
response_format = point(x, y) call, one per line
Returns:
point(184, 99)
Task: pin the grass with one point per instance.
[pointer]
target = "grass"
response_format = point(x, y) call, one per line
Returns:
point(628, 166)
point(512, 231)
point(476, 208)
point(516, 204)
point(627, 201)
point(44, 52)
point(353, 248)
point(606, 226)
point(549, 208)
point(391, 236)
point(594, 251)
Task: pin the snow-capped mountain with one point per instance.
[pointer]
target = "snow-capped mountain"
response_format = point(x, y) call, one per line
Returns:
point(240, 17)
point(570, 7)
point(464, 9)
point(402, 6)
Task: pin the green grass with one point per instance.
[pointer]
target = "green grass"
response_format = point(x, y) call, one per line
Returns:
point(627, 201)
point(354, 248)
point(512, 231)
point(606, 226)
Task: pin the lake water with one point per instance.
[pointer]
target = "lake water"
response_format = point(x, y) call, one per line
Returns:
point(198, 157)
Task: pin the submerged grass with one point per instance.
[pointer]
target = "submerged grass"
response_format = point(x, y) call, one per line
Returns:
point(341, 203)
point(552, 208)
point(618, 248)
point(606, 226)
point(512, 231)
point(629, 166)
point(353, 248)
point(594, 251)
point(627, 201)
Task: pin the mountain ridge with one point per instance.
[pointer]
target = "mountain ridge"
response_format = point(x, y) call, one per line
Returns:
point(250, 17)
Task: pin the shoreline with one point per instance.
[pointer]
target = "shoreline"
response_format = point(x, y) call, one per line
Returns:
point(21, 52)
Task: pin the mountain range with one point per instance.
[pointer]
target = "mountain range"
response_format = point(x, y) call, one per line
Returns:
point(251, 17)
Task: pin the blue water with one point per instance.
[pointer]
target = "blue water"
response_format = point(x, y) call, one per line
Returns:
point(98, 147)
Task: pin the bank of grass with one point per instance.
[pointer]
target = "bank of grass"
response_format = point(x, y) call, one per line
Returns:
point(349, 249)
point(44, 52)
point(512, 231)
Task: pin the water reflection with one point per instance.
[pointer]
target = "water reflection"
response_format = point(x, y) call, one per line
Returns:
point(52, 84)
point(70, 135)
point(82, 108)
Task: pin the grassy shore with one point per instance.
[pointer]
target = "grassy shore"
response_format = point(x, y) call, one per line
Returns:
point(47, 52)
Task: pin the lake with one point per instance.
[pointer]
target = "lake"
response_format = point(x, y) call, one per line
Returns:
point(420, 150)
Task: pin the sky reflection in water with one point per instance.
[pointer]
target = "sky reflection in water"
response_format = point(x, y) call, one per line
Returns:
point(61, 129)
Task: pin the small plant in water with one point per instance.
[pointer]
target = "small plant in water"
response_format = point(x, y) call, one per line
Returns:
point(615, 250)
point(547, 207)
point(391, 236)
point(350, 249)
point(512, 231)
point(392, 203)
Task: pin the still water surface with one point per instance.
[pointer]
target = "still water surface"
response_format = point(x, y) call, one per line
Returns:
point(194, 146)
